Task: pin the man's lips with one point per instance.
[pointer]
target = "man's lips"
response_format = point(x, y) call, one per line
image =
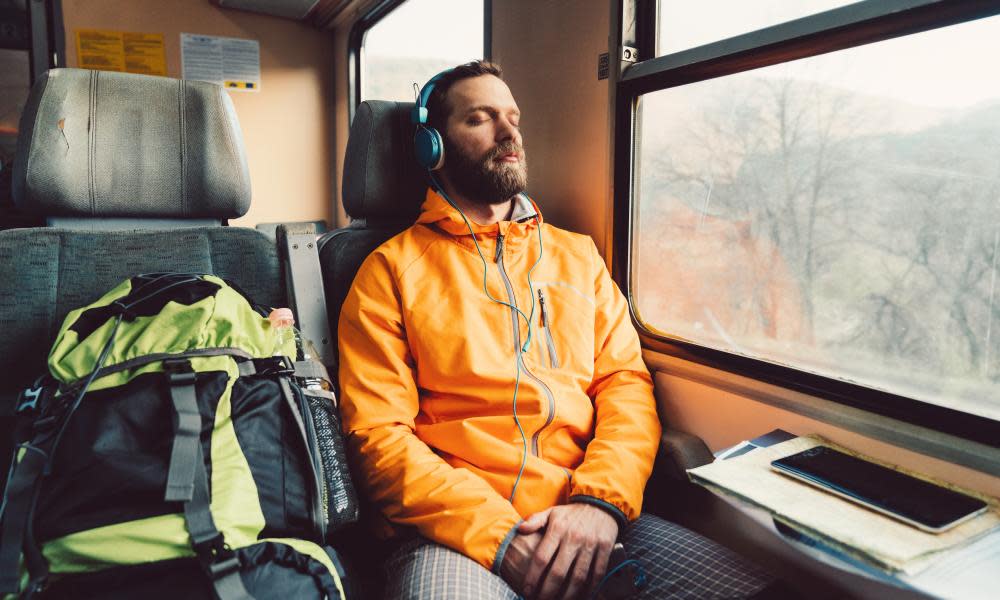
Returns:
point(510, 157)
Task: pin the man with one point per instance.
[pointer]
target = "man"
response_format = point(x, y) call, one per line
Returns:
point(494, 394)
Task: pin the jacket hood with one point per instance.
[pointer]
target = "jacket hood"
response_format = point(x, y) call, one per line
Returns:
point(436, 210)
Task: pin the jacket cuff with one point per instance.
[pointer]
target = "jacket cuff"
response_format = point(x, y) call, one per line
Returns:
point(507, 539)
point(609, 508)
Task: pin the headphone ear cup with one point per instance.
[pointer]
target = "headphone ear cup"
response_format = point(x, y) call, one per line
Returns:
point(429, 148)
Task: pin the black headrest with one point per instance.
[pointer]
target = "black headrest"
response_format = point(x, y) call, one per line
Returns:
point(95, 143)
point(382, 180)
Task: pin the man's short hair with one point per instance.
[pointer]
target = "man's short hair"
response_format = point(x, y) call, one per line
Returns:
point(438, 109)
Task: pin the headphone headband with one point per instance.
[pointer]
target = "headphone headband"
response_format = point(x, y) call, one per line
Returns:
point(419, 115)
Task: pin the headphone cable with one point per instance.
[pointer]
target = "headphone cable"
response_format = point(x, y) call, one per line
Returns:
point(518, 362)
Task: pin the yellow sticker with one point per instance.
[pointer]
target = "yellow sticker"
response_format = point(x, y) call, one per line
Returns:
point(121, 51)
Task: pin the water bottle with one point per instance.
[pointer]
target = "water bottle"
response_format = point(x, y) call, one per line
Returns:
point(283, 322)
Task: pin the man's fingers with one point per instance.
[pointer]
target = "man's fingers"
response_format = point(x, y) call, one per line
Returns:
point(599, 567)
point(557, 577)
point(576, 582)
point(534, 522)
point(540, 561)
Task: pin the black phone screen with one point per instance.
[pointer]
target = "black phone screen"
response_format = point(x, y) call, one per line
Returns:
point(912, 499)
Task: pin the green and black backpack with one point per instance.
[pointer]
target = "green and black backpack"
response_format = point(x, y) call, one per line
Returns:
point(174, 451)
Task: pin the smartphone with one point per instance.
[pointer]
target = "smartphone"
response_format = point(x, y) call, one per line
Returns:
point(913, 501)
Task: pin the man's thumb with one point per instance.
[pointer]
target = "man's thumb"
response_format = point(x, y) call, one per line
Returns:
point(534, 522)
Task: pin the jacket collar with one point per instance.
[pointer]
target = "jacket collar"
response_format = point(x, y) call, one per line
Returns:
point(436, 210)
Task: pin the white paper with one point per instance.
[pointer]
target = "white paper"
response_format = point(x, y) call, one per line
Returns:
point(230, 62)
point(970, 573)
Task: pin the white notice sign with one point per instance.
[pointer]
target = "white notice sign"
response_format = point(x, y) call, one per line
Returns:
point(230, 62)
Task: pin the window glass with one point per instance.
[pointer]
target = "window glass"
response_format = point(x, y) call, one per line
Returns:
point(14, 86)
point(417, 40)
point(838, 214)
point(689, 23)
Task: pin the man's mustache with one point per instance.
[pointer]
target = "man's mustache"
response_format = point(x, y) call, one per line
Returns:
point(504, 148)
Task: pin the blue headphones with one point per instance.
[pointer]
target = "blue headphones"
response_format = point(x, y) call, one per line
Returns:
point(428, 144)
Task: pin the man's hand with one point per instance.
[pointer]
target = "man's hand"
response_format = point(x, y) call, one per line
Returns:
point(576, 546)
point(517, 559)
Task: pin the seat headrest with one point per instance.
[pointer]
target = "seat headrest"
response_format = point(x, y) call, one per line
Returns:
point(382, 180)
point(105, 144)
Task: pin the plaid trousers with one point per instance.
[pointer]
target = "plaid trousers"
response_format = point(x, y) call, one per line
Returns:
point(675, 562)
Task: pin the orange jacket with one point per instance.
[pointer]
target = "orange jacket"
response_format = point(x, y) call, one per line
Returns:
point(427, 376)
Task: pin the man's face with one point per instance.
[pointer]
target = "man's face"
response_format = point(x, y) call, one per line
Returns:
point(484, 158)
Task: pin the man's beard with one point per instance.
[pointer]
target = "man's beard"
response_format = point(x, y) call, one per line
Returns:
point(486, 180)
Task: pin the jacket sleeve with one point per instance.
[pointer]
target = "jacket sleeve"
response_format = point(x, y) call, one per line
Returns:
point(409, 483)
point(620, 458)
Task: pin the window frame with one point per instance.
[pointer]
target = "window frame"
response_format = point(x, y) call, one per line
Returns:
point(356, 42)
point(837, 29)
point(47, 36)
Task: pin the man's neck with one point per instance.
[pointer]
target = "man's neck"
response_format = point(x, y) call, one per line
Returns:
point(481, 214)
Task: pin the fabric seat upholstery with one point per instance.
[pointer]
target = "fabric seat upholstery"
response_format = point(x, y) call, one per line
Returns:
point(382, 190)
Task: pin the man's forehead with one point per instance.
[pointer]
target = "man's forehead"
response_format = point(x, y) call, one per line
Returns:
point(484, 91)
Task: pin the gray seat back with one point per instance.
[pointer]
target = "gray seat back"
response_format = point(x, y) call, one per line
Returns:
point(119, 146)
point(110, 146)
point(383, 188)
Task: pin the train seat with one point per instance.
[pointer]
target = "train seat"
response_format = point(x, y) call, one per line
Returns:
point(382, 190)
point(135, 151)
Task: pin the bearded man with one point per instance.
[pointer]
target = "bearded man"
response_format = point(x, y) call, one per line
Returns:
point(494, 394)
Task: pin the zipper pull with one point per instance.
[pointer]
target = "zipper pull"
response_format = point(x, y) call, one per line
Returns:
point(541, 303)
point(499, 247)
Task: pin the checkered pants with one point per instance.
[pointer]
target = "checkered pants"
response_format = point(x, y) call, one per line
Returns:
point(677, 564)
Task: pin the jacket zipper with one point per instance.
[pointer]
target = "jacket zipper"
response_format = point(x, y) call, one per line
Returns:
point(547, 328)
point(517, 347)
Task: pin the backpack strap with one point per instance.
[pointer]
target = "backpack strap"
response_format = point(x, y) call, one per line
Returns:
point(187, 431)
point(38, 441)
point(187, 481)
point(21, 494)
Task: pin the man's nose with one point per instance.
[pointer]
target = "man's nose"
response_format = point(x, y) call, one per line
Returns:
point(507, 131)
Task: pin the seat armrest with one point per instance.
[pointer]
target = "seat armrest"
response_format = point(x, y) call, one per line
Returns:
point(680, 451)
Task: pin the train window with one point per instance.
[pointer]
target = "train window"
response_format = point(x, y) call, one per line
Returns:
point(408, 45)
point(836, 214)
point(689, 23)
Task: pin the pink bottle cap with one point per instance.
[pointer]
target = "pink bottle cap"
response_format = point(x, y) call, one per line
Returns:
point(281, 317)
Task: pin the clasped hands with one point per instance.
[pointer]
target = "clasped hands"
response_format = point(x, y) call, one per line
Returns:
point(561, 552)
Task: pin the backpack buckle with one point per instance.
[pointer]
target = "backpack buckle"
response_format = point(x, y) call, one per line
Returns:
point(274, 365)
point(33, 398)
point(179, 371)
point(28, 399)
point(216, 557)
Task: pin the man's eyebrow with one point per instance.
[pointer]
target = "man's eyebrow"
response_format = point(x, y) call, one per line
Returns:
point(488, 109)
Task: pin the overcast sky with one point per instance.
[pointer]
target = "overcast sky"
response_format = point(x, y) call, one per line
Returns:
point(947, 68)
point(416, 29)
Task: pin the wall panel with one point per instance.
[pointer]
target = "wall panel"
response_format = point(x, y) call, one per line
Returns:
point(287, 125)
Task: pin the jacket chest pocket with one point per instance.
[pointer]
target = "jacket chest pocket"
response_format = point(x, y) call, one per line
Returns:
point(546, 330)
point(565, 327)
